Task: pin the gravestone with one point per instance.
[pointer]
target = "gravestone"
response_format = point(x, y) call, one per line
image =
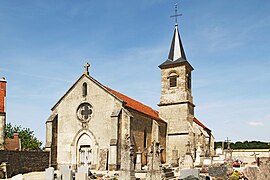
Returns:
point(218, 171)
point(264, 171)
point(186, 162)
point(207, 162)
point(184, 173)
point(175, 158)
point(138, 165)
point(198, 156)
point(17, 177)
point(83, 169)
point(219, 151)
point(66, 173)
point(127, 154)
point(81, 176)
point(103, 153)
point(251, 172)
point(154, 163)
point(49, 173)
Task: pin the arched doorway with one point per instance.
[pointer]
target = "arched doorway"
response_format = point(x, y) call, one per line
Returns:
point(85, 153)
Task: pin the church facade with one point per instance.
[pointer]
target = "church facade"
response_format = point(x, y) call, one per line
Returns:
point(97, 126)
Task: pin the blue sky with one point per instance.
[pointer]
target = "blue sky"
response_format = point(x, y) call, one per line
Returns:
point(44, 45)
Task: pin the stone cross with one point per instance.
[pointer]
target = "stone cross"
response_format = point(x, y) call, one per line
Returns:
point(256, 159)
point(188, 148)
point(228, 142)
point(255, 156)
point(86, 66)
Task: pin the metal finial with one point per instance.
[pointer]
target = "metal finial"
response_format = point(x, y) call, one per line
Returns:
point(86, 66)
point(175, 14)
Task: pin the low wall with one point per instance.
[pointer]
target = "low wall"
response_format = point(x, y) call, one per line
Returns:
point(24, 161)
point(247, 155)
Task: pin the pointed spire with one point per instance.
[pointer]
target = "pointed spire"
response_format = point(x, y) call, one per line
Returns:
point(177, 49)
point(177, 54)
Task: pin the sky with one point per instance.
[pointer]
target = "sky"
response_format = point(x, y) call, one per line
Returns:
point(44, 45)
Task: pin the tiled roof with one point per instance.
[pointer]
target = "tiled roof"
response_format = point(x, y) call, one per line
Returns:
point(137, 106)
point(199, 123)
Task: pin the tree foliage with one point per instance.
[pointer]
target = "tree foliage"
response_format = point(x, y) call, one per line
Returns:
point(27, 137)
point(244, 145)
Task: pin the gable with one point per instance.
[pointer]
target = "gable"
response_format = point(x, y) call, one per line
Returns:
point(125, 100)
point(74, 85)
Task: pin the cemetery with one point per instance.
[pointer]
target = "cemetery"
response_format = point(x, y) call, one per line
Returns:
point(95, 132)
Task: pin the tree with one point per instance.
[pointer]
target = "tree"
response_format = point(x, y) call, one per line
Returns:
point(27, 137)
point(245, 145)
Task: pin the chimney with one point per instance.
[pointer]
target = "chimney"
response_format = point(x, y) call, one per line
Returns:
point(3, 83)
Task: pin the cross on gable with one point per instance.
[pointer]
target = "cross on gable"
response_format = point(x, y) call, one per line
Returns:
point(86, 66)
point(175, 14)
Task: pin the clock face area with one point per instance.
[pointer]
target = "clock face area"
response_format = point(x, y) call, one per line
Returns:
point(84, 112)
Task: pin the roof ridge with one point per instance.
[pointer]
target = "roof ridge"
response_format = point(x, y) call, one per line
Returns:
point(199, 123)
point(137, 105)
point(130, 98)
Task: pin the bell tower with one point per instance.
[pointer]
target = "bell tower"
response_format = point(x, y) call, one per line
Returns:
point(176, 101)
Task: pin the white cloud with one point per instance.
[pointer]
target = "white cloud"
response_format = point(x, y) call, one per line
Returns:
point(255, 123)
point(267, 116)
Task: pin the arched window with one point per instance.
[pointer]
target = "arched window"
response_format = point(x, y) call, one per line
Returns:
point(84, 90)
point(173, 79)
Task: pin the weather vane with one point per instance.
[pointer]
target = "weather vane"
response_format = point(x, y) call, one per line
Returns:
point(175, 14)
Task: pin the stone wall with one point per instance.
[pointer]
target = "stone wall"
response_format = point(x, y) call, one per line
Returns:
point(141, 128)
point(24, 161)
point(247, 155)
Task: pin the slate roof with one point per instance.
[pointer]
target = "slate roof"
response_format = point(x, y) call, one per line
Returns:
point(176, 45)
point(177, 54)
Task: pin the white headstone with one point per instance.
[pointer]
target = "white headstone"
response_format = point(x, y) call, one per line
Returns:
point(221, 157)
point(198, 156)
point(138, 165)
point(49, 173)
point(187, 162)
point(17, 177)
point(219, 151)
point(207, 162)
point(81, 176)
point(65, 172)
point(83, 169)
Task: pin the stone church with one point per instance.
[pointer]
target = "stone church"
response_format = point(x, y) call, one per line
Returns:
point(94, 125)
